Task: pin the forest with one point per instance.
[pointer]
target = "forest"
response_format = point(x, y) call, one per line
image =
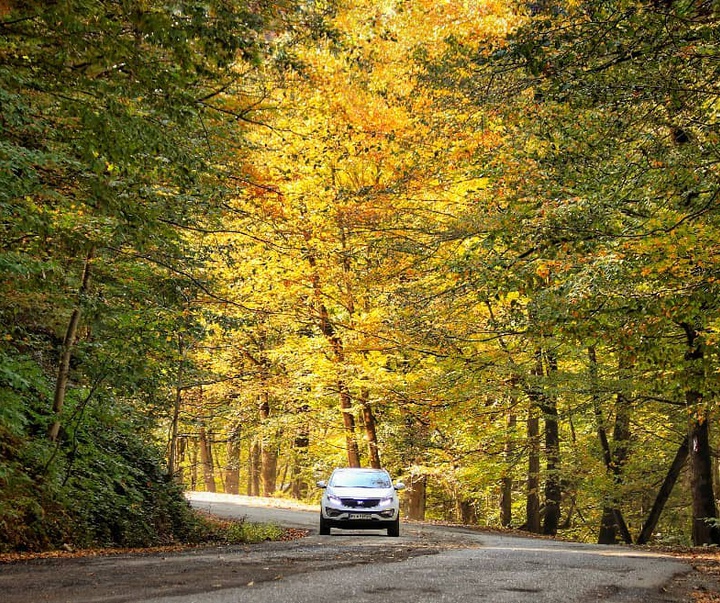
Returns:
point(476, 242)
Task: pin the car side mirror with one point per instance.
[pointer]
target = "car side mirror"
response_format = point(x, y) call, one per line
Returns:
point(322, 484)
point(399, 486)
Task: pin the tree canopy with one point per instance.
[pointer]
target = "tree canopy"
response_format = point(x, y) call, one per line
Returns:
point(473, 242)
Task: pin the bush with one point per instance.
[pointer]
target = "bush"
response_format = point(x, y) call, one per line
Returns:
point(103, 483)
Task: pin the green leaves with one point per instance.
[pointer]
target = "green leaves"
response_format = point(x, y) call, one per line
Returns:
point(600, 206)
point(108, 142)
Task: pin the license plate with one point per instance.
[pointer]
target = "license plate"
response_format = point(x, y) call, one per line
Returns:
point(359, 516)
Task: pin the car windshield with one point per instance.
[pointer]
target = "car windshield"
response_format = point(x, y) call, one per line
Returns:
point(360, 479)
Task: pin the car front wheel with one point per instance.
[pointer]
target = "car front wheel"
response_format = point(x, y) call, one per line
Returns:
point(394, 529)
point(324, 527)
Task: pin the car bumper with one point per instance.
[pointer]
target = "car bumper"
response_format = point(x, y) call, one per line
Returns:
point(354, 520)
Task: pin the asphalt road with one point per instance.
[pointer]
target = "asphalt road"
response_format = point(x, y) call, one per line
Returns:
point(426, 564)
point(466, 566)
point(286, 513)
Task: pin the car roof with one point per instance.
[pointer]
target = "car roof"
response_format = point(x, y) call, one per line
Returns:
point(359, 469)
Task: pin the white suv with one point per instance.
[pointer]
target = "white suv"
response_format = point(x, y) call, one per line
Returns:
point(359, 499)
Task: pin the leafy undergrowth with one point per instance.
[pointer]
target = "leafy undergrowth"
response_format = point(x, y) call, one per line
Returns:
point(706, 562)
point(209, 531)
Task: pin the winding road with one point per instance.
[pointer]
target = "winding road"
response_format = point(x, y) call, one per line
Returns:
point(465, 566)
point(426, 564)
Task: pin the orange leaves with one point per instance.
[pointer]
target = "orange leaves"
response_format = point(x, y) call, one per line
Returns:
point(543, 270)
point(470, 20)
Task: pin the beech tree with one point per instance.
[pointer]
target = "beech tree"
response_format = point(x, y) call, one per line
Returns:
point(110, 150)
point(490, 242)
point(472, 242)
point(623, 190)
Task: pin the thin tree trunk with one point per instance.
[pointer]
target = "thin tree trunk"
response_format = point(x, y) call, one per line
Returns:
point(173, 443)
point(268, 454)
point(370, 430)
point(232, 464)
point(353, 452)
point(179, 459)
point(416, 497)
point(63, 374)
point(506, 481)
point(664, 493)
point(262, 459)
point(269, 469)
point(532, 505)
point(612, 520)
point(467, 514)
point(621, 431)
point(194, 465)
point(254, 459)
point(621, 439)
point(506, 484)
point(705, 530)
point(328, 330)
point(551, 518)
point(300, 453)
point(553, 492)
point(206, 461)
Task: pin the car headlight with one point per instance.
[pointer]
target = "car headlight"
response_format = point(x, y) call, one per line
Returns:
point(334, 500)
point(386, 501)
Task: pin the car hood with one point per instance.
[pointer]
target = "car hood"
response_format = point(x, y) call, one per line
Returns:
point(361, 492)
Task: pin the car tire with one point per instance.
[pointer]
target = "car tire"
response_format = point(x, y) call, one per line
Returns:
point(324, 527)
point(394, 529)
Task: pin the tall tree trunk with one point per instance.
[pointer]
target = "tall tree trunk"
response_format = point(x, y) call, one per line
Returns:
point(254, 460)
point(506, 484)
point(701, 484)
point(351, 445)
point(194, 464)
point(664, 493)
point(177, 404)
point(269, 469)
point(181, 450)
point(232, 464)
point(551, 519)
point(535, 394)
point(206, 460)
point(506, 481)
point(328, 330)
point(268, 452)
point(621, 439)
point(370, 430)
point(612, 521)
point(300, 453)
point(63, 374)
point(532, 505)
point(705, 529)
point(467, 513)
point(262, 460)
point(416, 497)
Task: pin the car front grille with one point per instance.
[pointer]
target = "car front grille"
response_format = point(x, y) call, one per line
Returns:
point(356, 503)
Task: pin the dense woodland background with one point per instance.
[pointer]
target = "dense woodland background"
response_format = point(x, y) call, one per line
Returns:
point(475, 242)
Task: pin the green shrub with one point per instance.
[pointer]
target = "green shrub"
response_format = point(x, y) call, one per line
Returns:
point(253, 532)
point(103, 484)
